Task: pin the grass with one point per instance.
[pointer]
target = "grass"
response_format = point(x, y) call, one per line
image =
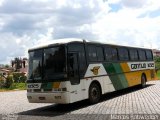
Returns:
point(15, 86)
point(20, 86)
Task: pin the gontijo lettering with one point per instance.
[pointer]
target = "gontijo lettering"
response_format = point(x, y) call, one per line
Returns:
point(150, 64)
point(141, 65)
point(137, 66)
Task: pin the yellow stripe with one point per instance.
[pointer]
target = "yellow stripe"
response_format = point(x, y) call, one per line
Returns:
point(56, 84)
point(125, 67)
point(134, 77)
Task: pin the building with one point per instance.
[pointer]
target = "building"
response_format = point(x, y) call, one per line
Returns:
point(156, 52)
point(4, 72)
point(20, 65)
point(24, 68)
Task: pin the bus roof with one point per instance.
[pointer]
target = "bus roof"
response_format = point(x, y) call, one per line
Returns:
point(56, 42)
point(69, 40)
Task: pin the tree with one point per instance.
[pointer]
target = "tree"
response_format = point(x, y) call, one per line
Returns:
point(17, 63)
point(157, 62)
point(6, 82)
point(6, 66)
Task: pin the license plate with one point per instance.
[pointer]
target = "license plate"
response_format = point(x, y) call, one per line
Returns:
point(34, 86)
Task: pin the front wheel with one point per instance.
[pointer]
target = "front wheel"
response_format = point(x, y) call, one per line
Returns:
point(143, 81)
point(94, 93)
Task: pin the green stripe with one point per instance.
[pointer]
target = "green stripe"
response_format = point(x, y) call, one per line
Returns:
point(116, 75)
point(46, 85)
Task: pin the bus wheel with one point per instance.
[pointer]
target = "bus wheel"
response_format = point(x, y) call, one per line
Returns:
point(143, 81)
point(94, 93)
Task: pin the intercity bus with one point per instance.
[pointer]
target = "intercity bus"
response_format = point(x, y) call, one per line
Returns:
point(72, 70)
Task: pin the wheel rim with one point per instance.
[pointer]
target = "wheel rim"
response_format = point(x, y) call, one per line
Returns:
point(94, 93)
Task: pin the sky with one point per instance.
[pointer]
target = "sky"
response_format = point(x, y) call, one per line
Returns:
point(26, 23)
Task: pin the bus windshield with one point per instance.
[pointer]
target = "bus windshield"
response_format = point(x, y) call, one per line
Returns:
point(47, 64)
point(54, 63)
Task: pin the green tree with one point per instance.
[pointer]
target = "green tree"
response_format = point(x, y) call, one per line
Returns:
point(19, 77)
point(157, 62)
point(6, 82)
point(9, 81)
point(6, 66)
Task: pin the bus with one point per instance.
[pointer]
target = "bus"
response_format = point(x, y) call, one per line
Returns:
point(71, 70)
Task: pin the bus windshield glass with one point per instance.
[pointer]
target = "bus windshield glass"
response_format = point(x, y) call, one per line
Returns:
point(47, 64)
point(54, 63)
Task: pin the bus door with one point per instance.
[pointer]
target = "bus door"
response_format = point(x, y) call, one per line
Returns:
point(73, 72)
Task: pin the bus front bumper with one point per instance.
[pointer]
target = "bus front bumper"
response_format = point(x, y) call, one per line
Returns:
point(56, 97)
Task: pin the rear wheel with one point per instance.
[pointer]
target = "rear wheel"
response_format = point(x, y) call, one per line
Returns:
point(143, 81)
point(94, 93)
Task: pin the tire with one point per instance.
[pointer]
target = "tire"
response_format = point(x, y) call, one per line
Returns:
point(143, 81)
point(94, 93)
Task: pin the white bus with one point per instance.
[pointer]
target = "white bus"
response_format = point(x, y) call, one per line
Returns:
point(72, 70)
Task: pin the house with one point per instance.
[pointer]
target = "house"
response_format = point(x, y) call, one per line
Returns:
point(156, 52)
point(4, 72)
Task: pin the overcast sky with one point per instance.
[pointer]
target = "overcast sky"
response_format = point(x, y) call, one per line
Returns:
point(25, 23)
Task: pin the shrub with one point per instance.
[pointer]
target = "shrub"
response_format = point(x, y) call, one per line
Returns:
point(23, 79)
point(1, 82)
point(19, 77)
point(9, 81)
point(157, 62)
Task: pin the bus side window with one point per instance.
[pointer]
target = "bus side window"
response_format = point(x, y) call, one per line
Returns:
point(92, 53)
point(149, 55)
point(133, 54)
point(114, 54)
point(123, 54)
point(142, 55)
point(108, 54)
point(100, 56)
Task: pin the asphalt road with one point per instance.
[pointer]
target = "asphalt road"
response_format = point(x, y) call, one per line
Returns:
point(128, 101)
